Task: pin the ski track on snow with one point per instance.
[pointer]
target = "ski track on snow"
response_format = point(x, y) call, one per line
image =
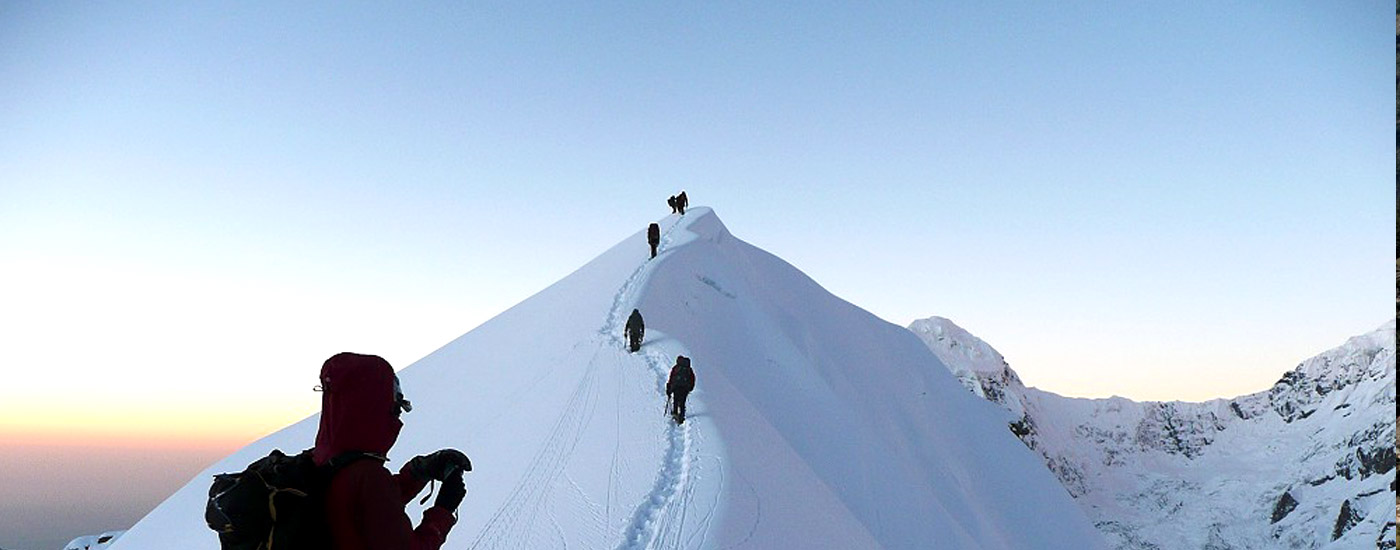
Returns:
point(510, 526)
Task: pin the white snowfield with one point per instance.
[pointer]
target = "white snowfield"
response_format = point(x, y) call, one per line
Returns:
point(814, 424)
point(94, 542)
point(1178, 476)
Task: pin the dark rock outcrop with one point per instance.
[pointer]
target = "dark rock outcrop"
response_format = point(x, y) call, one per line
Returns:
point(1285, 504)
point(1346, 519)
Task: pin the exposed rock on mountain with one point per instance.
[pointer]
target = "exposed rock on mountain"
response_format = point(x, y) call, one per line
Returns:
point(1308, 463)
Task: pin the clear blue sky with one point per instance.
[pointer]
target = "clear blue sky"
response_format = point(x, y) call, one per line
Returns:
point(1156, 200)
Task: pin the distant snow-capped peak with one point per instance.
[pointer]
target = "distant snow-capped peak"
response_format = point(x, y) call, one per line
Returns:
point(1307, 463)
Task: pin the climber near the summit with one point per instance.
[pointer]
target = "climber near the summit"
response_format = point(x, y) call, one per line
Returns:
point(653, 237)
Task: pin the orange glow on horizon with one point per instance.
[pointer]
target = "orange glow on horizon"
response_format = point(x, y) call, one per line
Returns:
point(165, 427)
point(222, 443)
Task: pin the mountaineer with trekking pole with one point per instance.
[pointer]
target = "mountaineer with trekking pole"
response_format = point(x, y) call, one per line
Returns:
point(678, 388)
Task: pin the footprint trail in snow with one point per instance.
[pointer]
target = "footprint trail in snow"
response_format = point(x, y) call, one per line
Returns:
point(661, 514)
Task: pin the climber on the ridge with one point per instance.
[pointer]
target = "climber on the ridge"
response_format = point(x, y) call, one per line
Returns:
point(634, 329)
point(679, 386)
point(672, 201)
point(653, 237)
point(682, 202)
point(364, 503)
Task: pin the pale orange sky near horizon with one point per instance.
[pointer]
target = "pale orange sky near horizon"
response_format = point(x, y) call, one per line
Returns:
point(224, 426)
point(95, 469)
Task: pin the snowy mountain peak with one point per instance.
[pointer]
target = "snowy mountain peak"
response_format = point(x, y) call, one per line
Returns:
point(1305, 464)
point(813, 424)
point(955, 346)
point(979, 367)
point(1305, 389)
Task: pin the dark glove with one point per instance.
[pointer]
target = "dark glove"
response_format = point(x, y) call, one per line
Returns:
point(452, 492)
point(439, 465)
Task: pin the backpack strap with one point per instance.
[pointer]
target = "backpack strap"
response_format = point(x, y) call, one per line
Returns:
point(341, 460)
point(327, 471)
point(348, 457)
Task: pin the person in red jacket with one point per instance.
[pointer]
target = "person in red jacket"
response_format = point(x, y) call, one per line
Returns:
point(364, 503)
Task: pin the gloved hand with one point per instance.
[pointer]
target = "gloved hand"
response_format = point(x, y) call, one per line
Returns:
point(452, 492)
point(439, 465)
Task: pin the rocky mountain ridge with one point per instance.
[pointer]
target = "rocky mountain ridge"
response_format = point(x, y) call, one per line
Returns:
point(1303, 464)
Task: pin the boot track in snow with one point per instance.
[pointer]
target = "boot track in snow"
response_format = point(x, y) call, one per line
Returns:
point(659, 520)
point(661, 514)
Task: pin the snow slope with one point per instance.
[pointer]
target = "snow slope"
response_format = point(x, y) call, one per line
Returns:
point(1215, 474)
point(813, 425)
point(101, 541)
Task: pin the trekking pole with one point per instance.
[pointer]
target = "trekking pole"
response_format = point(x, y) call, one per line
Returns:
point(667, 410)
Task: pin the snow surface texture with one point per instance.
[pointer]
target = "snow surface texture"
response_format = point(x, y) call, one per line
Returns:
point(1214, 475)
point(813, 424)
point(95, 542)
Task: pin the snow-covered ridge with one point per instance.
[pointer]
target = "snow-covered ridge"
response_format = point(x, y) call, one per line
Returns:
point(814, 424)
point(1308, 463)
point(955, 346)
point(969, 359)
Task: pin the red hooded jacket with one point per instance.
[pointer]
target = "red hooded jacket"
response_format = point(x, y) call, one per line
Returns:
point(364, 502)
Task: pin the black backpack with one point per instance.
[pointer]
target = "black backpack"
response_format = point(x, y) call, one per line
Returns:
point(274, 504)
point(683, 378)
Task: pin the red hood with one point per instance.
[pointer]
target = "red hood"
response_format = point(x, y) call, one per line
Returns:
point(358, 412)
